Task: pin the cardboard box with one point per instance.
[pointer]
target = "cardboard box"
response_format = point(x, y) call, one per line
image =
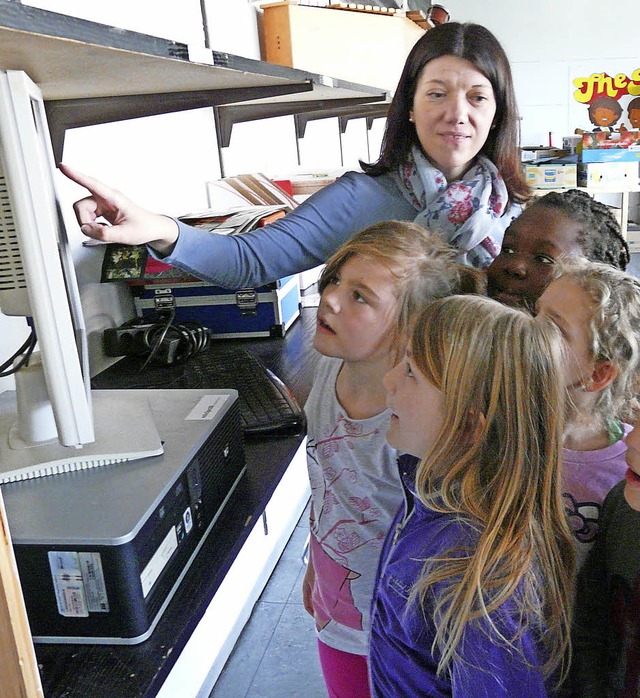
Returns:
point(631, 154)
point(571, 143)
point(266, 311)
point(593, 174)
point(531, 153)
point(551, 175)
point(610, 139)
point(365, 47)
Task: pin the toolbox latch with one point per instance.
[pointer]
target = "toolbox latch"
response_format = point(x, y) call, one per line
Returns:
point(247, 301)
point(163, 299)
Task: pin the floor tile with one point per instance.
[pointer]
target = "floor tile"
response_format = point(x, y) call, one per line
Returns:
point(290, 667)
point(242, 665)
point(296, 593)
point(282, 581)
point(276, 655)
point(295, 546)
point(286, 574)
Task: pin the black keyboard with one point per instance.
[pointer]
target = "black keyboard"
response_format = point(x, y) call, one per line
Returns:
point(267, 407)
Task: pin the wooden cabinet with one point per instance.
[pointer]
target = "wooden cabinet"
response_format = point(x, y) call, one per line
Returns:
point(344, 43)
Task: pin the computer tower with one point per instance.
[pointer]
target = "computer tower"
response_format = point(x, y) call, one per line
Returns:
point(100, 552)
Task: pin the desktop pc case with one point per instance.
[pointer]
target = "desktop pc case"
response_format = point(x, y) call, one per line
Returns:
point(100, 552)
point(266, 311)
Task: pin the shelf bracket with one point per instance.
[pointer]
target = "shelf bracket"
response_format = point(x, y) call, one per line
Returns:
point(344, 115)
point(228, 115)
point(72, 113)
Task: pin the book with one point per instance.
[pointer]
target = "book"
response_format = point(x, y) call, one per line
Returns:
point(254, 189)
point(236, 221)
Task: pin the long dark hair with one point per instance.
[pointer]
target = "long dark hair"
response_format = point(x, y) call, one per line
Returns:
point(476, 44)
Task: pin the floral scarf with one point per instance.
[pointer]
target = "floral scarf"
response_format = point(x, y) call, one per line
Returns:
point(470, 214)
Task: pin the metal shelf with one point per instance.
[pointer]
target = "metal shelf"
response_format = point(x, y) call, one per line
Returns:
point(92, 73)
point(344, 114)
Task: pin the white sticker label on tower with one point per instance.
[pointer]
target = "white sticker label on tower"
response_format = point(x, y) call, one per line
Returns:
point(207, 407)
point(68, 584)
point(94, 584)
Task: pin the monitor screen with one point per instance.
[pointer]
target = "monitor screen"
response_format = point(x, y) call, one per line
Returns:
point(38, 280)
point(57, 425)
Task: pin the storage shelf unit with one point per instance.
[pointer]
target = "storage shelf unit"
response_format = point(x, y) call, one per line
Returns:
point(623, 190)
point(91, 73)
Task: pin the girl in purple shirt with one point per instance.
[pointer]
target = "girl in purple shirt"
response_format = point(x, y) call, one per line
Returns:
point(473, 590)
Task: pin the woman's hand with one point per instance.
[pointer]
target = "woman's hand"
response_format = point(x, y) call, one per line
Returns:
point(129, 223)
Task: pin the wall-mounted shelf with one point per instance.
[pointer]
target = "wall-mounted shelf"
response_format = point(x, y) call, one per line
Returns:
point(92, 73)
point(344, 115)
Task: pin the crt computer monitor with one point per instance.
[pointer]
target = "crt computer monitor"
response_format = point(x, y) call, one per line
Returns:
point(53, 423)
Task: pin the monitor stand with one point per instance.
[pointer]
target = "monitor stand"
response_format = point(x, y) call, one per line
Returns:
point(124, 428)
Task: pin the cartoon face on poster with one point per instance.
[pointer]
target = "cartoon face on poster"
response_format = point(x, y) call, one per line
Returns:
point(604, 100)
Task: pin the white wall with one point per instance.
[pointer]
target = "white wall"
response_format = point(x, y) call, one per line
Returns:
point(162, 161)
point(549, 43)
point(233, 26)
point(179, 20)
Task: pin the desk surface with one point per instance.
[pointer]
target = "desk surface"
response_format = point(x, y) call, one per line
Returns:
point(109, 671)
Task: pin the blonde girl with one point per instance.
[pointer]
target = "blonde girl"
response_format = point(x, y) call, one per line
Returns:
point(370, 288)
point(597, 309)
point(473, 589)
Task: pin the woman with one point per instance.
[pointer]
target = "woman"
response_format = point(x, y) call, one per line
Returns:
point(449, 161)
